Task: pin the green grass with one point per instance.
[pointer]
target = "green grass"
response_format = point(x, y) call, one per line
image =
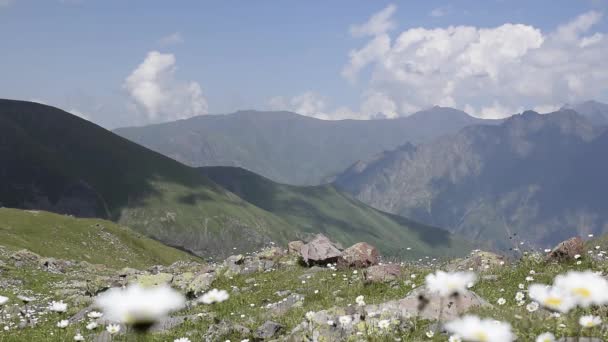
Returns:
point(311, 210)
point(93, 240)
point(333, 291)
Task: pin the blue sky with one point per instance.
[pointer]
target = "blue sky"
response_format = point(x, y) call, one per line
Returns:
point(77, 54)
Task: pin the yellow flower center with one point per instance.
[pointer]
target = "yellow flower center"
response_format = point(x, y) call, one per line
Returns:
point(583, 292)
point(481, 336)
point(552, 301)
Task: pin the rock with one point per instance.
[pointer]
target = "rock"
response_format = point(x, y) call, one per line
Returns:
point(383, 273)
point(53, 265)
point(218, 332)
point(23, 257)
point(359, 255)
point(566, 250)
point(154, 279)
point(320, 251)
point(268, 330)
point(272, 253)
point(294, 247)
point(280, 308)
point(478, 261)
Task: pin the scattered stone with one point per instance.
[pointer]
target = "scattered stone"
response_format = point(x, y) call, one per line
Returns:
point(566, 250)
point(272, 253)
point(281, 307)
point(217, 332)
point(320, 251)
point(268, 330)
point(383, 273)
point(477, 261)
point(359, 255)
point(294, 247)
point(148, 280)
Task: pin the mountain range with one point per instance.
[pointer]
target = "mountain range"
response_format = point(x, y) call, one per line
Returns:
point(291, 148)
point(52, 160)
point(540, 177)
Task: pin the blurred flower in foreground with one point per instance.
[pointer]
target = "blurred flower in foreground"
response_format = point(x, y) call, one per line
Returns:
point(139, 307)
point(474, 329)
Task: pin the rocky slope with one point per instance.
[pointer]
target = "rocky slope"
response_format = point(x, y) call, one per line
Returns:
point(540, 177)
point(272, 296)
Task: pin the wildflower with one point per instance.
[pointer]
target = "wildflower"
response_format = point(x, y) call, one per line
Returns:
point(78, 337)
point(25, 299)
point(63, 323)
point(551, 298)
point(3, 300)
point(330, 322)
point(310, 315)
point(59, 306)
point(182, 339)
point(521, 286)
point(586, 287)
point(430, 334)
point(138, 306)
point(360, 300)
point(113, 329)
point(547, 250)
point(501, 301)
point(577, 256)
point(345, 320)
point(519, 296)
point(589, 321)
point(546, 337)
point(454, 338)
point(448, 284)
point(94, 314)
point(91, 326)
point(533, 306)
point(214, 296)
point(529, 278)
point(472, 328)
point(383, 324)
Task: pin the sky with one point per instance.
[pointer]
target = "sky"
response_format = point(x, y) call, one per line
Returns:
point(122, 63)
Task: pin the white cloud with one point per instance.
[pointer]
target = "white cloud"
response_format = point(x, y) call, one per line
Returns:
point(379, 23)
point(439, 12)
point(171, 39)
point(159, 95)
point(490, 72)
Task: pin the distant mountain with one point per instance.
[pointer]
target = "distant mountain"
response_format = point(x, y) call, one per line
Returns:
point(287, 147)
point(596, 112)
point(325, 209)
point(52, 160)
point(542, 177)
point(92, 240)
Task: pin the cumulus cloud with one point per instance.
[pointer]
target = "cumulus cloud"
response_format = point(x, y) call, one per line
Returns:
point(158, 95)
point(379, 23)
point(439, 12)
point(171, 39)
point(488, 71)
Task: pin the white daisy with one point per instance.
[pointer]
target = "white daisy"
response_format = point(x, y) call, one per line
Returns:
point(63, 324)
point(474, 329)
point(589, 321)
point(113, 329)
point(59, 306)
point(586, 287)
point(384, 323)
point(552, 298)
point(214, 296)
point(447, 284)
point(546, 337)
point(78, 337)
point(345, 320)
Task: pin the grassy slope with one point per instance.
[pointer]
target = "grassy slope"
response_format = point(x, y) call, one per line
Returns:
point(45, 151)
point(93, 240)
point(324, 209)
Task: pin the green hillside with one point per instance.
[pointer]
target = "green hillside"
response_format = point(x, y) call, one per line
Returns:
point(93, 240)
point(52, 160)
point(324, 209)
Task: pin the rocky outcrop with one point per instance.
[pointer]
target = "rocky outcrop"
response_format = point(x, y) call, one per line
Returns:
point(320, 251)
point(478, 261)
point(567, 250)
point(383, 273)
point(359, 255)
